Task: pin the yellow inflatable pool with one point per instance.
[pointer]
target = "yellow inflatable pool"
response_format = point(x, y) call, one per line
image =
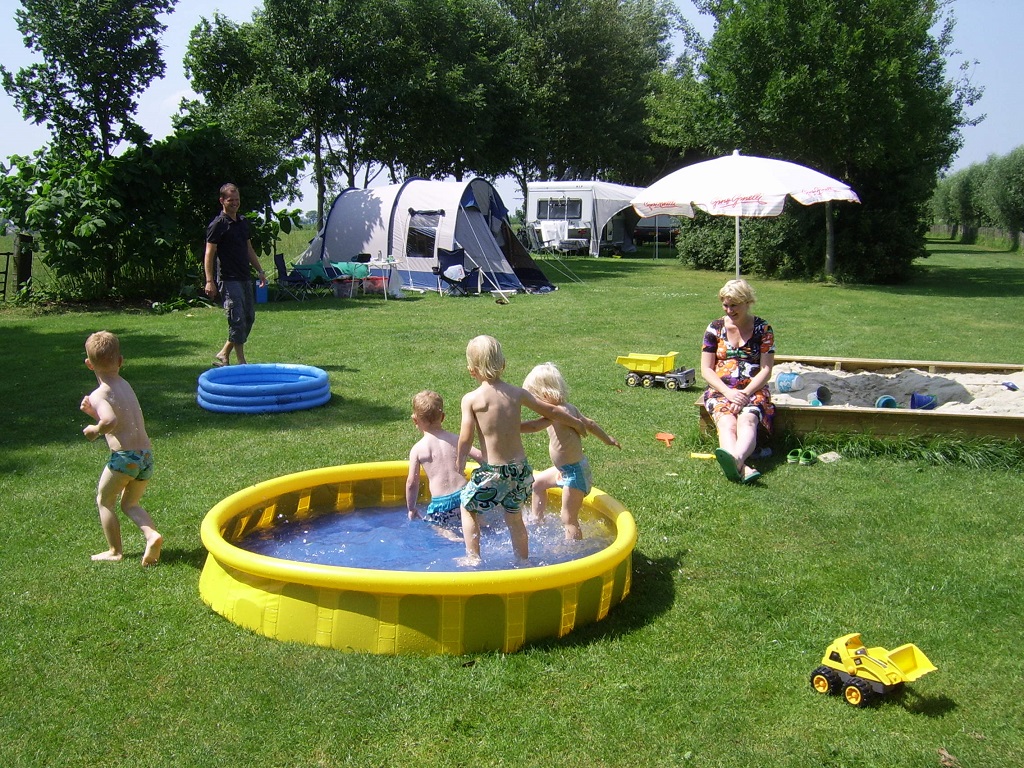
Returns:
point(391, 612)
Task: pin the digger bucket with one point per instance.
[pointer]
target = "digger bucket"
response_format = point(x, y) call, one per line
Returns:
point(911, 662)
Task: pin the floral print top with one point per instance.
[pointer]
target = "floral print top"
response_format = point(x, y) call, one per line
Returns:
point(736, 366)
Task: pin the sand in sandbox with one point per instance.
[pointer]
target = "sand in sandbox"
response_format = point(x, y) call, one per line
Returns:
point(954, 392)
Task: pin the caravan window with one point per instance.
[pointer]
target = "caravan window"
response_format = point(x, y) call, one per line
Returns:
point(422, 233)
point(560, 208)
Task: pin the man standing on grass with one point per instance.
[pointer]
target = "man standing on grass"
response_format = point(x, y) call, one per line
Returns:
point(228, 244)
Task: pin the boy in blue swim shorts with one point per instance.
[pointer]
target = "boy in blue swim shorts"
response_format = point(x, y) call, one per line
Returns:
point(504, 479)
point(434, 455)
point(119, 419)
point(571, 471)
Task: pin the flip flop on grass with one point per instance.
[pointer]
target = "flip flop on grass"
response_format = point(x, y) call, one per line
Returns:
point(751, 477)
point(728, 464)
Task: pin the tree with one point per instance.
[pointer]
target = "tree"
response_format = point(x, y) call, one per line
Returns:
point(584, 69)
point(297, 81)
point(98, 57)
point(855, 88)
point(451, 107)
point(131, 226)
point(1004, 189)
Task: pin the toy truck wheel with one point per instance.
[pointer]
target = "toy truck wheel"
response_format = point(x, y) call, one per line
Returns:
point(858, 692)
point(647, 381)
point(826, 680)
point(632, 380)
point(672, 384)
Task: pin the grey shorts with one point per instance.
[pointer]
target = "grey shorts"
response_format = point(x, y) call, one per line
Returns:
point(240, 307)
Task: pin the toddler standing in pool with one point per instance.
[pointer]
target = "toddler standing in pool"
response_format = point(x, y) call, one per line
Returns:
point(571, 470)
point(435, 453)
point(504, 478)
point(119, 419)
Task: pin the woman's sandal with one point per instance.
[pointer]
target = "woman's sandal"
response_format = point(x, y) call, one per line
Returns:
point(728, 464)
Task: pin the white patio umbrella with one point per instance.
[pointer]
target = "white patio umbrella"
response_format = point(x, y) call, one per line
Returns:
point(740, 185)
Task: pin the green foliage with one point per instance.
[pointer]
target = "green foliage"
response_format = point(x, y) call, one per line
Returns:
point(855, 89)
point(98, 57)
point(934, 450)
point(132, 226)
point(1004, 192)
point(584, 71)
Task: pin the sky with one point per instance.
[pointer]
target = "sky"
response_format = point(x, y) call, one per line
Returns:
point(987, 32)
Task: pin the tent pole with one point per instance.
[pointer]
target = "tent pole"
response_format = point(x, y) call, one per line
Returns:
point(737, 247)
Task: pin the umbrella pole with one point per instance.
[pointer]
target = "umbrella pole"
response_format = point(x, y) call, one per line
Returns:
point(737, 247)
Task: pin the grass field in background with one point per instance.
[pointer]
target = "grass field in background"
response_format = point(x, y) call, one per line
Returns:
point(736, 590)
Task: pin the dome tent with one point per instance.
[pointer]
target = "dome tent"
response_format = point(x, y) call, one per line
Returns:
point(407, 224)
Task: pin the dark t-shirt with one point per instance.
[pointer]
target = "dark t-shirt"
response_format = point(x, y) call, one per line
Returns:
point(231, 236)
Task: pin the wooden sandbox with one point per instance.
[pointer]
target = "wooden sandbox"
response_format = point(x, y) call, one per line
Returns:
point(801, 419)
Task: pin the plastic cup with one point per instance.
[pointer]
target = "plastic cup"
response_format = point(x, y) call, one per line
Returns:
point(886, 401)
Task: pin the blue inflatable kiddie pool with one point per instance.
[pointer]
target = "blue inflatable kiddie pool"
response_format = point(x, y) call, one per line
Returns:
point(263, 388)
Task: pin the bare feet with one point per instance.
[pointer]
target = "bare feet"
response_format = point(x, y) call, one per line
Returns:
point(448, 533)
point(469, 561)
point(152, 553)
point(220, 361)
point(109, 556)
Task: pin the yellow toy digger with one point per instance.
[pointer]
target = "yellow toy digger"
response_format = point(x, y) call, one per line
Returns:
point(861, 674)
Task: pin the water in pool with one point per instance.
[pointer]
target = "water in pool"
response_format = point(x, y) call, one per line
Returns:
point(386, 539)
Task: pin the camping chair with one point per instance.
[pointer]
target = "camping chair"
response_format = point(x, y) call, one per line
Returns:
point(317, 279)
point(291, 284)
point(452, 277)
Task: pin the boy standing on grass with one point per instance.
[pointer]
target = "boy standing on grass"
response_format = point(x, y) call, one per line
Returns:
point(504, 478)
point(435, 454)
point(119, 419)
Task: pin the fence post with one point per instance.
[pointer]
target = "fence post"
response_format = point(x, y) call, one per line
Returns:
point(22, 259)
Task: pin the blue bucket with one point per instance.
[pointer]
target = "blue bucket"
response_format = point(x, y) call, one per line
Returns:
point(923, 402)
point(789, 382)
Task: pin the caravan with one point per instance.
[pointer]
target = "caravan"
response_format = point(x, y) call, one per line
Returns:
point(580, 216)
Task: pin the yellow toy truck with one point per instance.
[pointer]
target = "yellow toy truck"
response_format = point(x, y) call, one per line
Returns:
point(861, 674)
point(648, 370)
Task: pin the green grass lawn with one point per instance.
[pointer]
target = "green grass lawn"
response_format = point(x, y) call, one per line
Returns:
point(736, 590)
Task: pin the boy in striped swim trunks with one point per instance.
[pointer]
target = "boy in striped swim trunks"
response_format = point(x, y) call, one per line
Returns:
point(504, 479)
point(434, 454)
point(119, 419)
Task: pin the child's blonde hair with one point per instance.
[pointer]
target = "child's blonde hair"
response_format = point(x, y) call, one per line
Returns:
point(103, 349)
point(545, 382)
point(484, 356)
point(428, 406)
point(738, 292)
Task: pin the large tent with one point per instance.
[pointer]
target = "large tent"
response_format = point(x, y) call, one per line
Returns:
point(407, 224)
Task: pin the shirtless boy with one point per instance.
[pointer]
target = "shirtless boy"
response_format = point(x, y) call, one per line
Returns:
point(119, 419)
point(571, 470)
point(435, 454)
point(504, 478)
